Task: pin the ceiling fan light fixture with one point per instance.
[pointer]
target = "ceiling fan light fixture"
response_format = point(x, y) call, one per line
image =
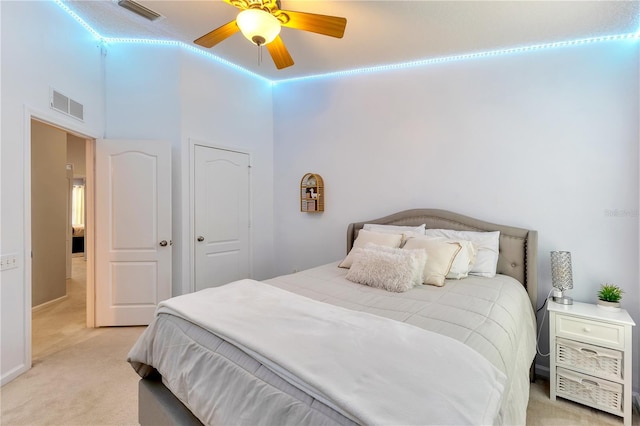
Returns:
point(258, 26)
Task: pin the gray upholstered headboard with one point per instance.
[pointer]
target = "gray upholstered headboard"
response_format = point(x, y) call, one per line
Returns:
point(518, 246)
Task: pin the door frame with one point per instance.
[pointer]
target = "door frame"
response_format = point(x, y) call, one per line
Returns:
point(189, 286)
point(69, 240)
point(80, 130)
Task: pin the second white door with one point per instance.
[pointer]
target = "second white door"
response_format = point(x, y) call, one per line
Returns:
point(133, 230)
point(221, 222)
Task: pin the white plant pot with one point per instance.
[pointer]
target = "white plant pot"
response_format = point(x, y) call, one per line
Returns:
point(609, 306)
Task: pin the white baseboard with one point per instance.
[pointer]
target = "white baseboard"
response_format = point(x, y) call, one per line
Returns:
point(49, 303)
point(14, 373)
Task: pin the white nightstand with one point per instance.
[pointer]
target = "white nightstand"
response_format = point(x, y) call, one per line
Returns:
point(590, 359)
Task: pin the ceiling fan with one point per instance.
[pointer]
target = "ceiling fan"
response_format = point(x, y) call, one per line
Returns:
point(260, 22)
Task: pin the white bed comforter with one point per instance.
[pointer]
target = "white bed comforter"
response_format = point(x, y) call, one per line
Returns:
point(493, 316)
point(345, 358)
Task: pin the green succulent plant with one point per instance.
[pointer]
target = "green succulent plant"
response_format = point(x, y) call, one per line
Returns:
point(610, 293)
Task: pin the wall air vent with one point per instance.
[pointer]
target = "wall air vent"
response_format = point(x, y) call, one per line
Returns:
point(139, 9)
point(66, 105)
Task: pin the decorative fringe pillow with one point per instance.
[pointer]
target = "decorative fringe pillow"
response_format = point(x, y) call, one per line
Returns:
point(440, 256)
point(464, 260)
point(487, 243)
point(387, 268)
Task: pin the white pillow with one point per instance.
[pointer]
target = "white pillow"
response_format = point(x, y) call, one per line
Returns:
point(487, 243)
point(387, 268)
point(406, 231)
point(394, 229)
point(364, 237)
point(440, 256)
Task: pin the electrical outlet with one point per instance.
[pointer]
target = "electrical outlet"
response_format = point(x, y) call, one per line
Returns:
point(8, 261)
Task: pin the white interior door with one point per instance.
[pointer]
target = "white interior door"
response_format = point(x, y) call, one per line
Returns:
point(221, 222)
point(133, 230)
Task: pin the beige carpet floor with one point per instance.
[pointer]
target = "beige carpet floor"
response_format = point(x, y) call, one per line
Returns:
point(87, 384)
point(80, 376)
point(541, 411)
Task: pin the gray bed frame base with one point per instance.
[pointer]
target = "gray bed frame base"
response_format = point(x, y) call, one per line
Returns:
point(157, 406)
point(517, 258)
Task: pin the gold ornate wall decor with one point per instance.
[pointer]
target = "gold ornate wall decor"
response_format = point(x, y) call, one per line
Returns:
point(311, 193)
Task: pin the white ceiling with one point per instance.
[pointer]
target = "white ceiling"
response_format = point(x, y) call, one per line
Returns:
point(377, 33)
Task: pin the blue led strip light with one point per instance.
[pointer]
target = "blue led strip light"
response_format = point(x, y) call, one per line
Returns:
point(116, 40)
point(120, 40)
point(476, 55)
point(77, 18)
point(373, 69)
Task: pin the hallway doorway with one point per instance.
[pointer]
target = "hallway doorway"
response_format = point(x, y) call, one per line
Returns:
point(60, 257)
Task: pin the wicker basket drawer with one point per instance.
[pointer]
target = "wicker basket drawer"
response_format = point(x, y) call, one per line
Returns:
point(601, 362)
point(589, 390)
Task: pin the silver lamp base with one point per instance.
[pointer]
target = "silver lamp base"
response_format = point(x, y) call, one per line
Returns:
point(563, 300)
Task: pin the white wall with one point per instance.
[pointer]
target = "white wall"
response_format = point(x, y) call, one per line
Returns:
point(152, 92)
point(143, 102)
point(41, 48)
point(228, 109)
point(546, 140)
point(167, 93)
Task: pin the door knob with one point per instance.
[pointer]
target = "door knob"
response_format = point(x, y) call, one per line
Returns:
point(201, 238)
point(163, 243)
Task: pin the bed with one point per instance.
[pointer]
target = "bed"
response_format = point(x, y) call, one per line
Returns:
point(491, 318)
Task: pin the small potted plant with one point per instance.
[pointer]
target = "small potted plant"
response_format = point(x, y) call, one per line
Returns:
point(609, 297)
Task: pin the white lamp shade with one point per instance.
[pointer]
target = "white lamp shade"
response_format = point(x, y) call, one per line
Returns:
point(258, 26)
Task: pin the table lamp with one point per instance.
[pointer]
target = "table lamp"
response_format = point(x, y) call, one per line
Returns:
point(561, 276)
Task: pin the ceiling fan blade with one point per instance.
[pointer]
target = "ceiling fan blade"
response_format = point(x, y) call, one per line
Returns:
point(279, 53)
point(321, 24)
point(217, 35)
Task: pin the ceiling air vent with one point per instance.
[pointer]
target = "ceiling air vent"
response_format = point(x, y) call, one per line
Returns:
point(139, 9)
point(66, 105)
